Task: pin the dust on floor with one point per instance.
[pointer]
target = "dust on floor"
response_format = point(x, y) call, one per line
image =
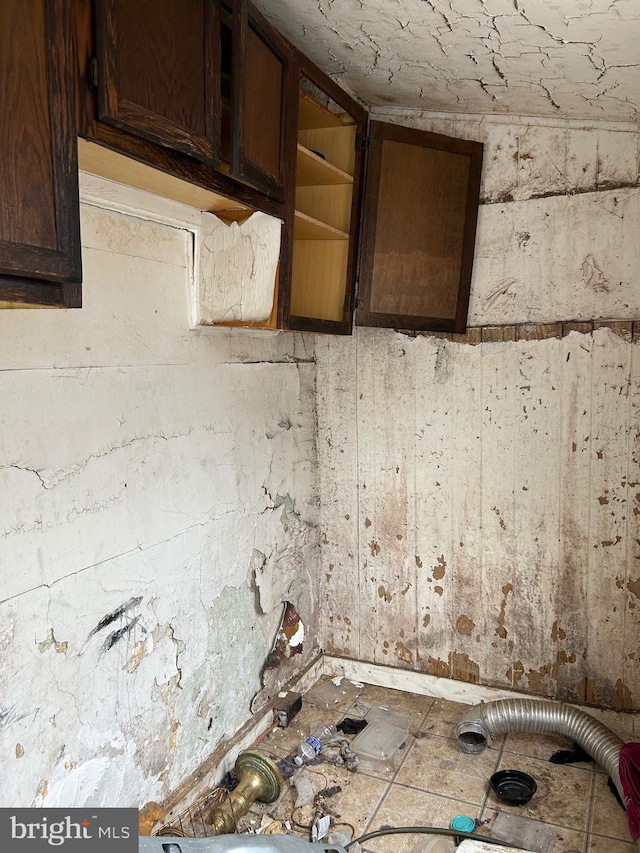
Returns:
point(432, 781)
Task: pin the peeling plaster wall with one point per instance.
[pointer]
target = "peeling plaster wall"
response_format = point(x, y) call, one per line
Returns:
point(480, 504)
point(145, 471)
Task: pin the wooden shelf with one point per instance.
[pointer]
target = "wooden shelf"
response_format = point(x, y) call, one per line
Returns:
point(320, 274)
point(330, 204)
point(312, 115)
point(337, 145)
point(308, 228)
point(315, 171)
point(98, 160)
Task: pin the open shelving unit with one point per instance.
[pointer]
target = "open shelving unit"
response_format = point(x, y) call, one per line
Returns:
point(325, 165)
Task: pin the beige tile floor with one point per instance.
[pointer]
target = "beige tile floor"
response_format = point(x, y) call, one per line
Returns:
point(433, 781)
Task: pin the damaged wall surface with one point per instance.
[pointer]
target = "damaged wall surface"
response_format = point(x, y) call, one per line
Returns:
point(481, 503)
point(575, 58)
point(158, 509)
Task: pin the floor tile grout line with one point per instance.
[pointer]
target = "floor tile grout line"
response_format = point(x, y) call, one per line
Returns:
point(485, 802)
point(441, 717)
point(368, 826)
point(393, 781)
point(591, 810)
point(452, 798)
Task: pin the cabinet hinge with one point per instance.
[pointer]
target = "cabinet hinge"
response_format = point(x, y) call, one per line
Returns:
point(93, 72)
point(362, 142)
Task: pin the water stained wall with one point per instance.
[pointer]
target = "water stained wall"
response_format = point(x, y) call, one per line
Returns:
point(480, 493)
point(143, 466)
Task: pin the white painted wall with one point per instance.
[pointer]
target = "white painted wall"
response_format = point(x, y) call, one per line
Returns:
point(479, 508)
point(147, 471)
point(479, 504)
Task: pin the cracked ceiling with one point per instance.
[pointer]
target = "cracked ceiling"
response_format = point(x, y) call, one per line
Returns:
point(563, 58)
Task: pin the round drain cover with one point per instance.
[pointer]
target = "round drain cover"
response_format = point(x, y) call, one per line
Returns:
point(513, 786)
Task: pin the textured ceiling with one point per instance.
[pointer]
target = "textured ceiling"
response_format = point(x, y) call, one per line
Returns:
point(562, 58)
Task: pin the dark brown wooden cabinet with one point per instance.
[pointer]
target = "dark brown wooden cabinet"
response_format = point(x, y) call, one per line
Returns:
point(157, 69)
point(200, 89)
point(39, 205)
point(262, 102)
point(203, 101)
point(418, 229)
point(384, 223)
point(331, 129)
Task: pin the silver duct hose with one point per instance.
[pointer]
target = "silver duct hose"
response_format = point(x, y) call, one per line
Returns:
point(484, 721)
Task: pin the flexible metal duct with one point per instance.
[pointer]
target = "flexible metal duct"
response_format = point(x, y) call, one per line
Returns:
point(484, 721)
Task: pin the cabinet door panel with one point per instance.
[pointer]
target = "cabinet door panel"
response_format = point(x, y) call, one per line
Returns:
point(39, 202)
point(261, 102)
point(421, 203)
point(159, 72)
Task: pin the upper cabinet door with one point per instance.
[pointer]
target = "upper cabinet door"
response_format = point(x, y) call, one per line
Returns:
point(39, 204)
point(159, 72)
point(421, 204)
point(263, 95)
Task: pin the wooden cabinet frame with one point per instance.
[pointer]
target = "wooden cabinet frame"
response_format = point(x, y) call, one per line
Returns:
point(109, 123)
point(341, 325)
point(307, 157)
point(251, 80)
point(423, 206)
point(130, 115)
point(54, 271)
point(426, 286)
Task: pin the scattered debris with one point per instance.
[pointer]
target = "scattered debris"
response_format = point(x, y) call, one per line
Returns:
point(349, 726)
point(329, 694)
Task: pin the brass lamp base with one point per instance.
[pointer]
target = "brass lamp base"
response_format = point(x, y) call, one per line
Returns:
point(259, 780)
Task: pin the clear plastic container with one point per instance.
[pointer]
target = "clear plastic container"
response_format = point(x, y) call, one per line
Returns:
point(524, 832)
point(434, 844)
point(320, 736)
point(392, 718)
point(377, 745)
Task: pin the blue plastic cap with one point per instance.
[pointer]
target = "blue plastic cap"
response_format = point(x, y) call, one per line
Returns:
point(462, 823)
